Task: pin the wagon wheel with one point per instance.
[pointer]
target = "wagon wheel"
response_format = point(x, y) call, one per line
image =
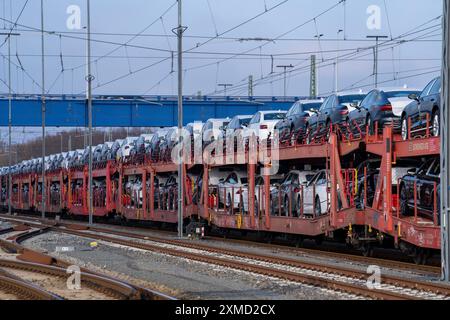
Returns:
point(367, 249)
point(229, 205)
point(419, 256)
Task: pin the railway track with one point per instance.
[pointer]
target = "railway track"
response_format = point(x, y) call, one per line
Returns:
point(330, 277)
point(32, 263)
point(13, 288)
point(425, 270)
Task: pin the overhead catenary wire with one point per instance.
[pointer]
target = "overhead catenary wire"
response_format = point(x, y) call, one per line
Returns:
point(396, 42)
point(278, 77)
point(15, 23)
point(201, 44)
point(261, 56)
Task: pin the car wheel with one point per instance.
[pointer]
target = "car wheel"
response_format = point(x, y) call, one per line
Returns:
point(361, 200)
point(229, 204)
point(286, 206)
point(298, 206)
point(273, 211)
point(370, 125)
point(256, 207)
point(435, 124)
point(293, 136)
point(317, 208)
point(404, 210)
point(404, 129)
point(308, 135)
point(328, 130)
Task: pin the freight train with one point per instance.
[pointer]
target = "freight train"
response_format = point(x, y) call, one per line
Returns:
point(354, 178)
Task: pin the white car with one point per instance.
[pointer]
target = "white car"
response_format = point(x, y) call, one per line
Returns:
point(315, 194)
point(263, 124)
point(230, 189)
point(125, 148)
point(213, 129)
point(259, 190)
point(288, 192)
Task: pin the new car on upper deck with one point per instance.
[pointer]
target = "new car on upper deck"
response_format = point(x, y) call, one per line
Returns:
point(379, 108)
point(262, 125)
point(294, 125)
point(425, 105)
point(334, 110)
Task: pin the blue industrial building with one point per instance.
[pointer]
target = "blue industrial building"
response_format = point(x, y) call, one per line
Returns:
point(131, 111)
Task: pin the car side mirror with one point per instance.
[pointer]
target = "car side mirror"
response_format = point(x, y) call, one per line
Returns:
point(413, 96)
point(412, 171)
point(221, 180)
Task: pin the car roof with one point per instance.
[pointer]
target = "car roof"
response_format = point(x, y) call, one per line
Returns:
point(394, 89)
point(310, 101)
point(218, 120)
point(243, 117)
point(272, 111)
point(350, 93)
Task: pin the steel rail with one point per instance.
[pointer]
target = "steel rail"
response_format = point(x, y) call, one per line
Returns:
point(121, 289)
point(25, 290)
point(338, 254)
point(391, 280)
point(107, 286)
point(80, 230)
point(230, 263)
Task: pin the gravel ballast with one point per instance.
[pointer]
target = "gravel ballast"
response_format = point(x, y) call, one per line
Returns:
point(180, 277)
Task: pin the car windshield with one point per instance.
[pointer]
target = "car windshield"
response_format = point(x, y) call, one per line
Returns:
point(351, 98)
point(244, 121)
point(274, 116)
point(400, 94)
point(309, 106)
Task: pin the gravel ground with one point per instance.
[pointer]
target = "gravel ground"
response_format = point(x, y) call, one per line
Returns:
point(175, 276)
point(4, 225)
point(287, 252)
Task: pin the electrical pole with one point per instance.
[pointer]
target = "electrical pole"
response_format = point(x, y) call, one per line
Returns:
point(179, 32)
point(250, 86)
point(43, 110)
point(285, 67)
point(336, 64)
point(9, 128)
point(9, 34)
point(225, 86)
point(313, 78)
point(445, 150)
point(89, 102)
point(375, 56)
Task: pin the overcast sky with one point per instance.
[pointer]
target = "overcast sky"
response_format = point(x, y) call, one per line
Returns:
point(204, 67)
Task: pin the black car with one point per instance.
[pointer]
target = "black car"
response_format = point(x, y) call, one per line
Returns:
point(168, 193)
point(367, 178)
point(294, 125)
point(381, 106)
point(154, 150)
point(427, 180)
point(287, 193)
point(426, 104)
point(334, 110)
point(167, 144)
